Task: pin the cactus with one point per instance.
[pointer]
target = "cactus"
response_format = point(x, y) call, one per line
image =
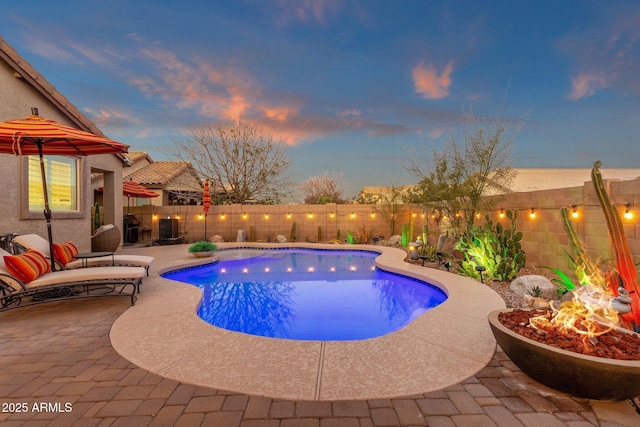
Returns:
point(410, 231)
point(96, 217)
point(624, 262)
point(252, 233)
point(292, 234)
point(338, 235)
point(586, 270)
point(349, 237)
point(494, 247)
point(319, 234)
point(425, 234)
point(405, 239)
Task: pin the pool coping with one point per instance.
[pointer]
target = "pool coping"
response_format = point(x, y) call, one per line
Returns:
point(163, 334)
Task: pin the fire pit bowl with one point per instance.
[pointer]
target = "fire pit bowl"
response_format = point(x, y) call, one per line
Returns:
point(580, 375)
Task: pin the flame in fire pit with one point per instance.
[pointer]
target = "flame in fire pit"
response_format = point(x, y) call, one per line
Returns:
point(589, 314)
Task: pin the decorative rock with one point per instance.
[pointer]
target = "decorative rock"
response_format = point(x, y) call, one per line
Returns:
point(241, 236)
point(281, 239)
point(395, 240)
point(536, 303)
point(528, 285)
point(216, 238)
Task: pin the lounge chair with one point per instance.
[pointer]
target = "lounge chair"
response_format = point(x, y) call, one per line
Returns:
point(33, 241)
point(66, 284)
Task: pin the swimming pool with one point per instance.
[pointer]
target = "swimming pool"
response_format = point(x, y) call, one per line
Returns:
point(307, 294)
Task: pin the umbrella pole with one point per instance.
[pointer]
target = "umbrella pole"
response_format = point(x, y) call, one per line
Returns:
point(47, 209)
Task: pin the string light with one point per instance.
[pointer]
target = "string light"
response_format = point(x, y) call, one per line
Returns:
point(501, 214)
point(574, 212)
point(628, 214)
point(532, 214)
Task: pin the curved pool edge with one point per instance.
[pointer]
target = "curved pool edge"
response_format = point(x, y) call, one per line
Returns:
point(163, 334)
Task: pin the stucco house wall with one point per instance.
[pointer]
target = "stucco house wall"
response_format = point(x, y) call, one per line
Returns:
point(22, 88)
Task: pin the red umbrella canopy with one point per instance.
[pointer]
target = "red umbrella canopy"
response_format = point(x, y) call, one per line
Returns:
point(133, 189)
point(23, 136)
point(206, 198)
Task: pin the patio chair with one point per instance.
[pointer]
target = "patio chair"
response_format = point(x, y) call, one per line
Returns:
point(45, 285)
point(33, 241)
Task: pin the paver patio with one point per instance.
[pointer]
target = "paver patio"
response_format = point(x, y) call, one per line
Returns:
point(59, 353)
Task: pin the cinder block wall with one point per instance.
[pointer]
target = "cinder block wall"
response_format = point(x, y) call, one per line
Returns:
point(544, 241)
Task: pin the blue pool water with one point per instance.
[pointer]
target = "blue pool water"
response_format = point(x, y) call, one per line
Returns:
point(306, 294)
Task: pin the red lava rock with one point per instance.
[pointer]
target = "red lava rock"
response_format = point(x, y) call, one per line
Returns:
point(611, 345)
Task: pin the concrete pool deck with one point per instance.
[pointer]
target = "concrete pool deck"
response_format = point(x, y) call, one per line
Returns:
point(60, 353)
point(163, 334)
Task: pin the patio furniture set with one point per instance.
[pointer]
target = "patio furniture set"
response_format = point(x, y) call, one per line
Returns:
point(31, 274)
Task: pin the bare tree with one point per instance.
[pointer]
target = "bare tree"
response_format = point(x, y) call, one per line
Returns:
point(457, 178)
point(324, 188)
point(243, 161)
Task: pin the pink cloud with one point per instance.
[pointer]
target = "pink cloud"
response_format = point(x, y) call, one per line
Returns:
point(586, 84)
point(429, 83)
point(279, 114)
point(307, 10)
point(216, 91)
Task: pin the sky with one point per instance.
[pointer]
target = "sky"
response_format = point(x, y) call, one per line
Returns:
point(354, 87)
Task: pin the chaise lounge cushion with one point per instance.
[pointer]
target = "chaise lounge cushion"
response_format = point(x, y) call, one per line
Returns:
point(27, 266)
point(39, 243)
point(64, 253)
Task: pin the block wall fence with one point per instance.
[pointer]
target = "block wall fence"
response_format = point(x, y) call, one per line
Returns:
point(544, 239)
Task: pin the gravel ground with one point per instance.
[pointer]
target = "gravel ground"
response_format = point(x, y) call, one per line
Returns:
point(511, 299)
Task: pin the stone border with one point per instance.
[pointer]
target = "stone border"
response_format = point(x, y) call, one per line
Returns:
point(163, 334)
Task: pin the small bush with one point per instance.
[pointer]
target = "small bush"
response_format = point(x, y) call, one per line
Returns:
point(203, 246)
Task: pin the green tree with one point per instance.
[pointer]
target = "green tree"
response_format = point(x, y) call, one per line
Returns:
point(472, 165)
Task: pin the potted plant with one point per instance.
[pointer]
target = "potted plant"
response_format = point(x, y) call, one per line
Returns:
point(203, 249)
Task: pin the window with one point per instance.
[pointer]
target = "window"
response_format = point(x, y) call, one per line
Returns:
point(62, 183)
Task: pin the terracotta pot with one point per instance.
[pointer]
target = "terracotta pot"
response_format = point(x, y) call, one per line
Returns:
point(577, 374)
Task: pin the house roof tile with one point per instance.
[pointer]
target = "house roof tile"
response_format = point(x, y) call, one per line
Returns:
point(160, 173)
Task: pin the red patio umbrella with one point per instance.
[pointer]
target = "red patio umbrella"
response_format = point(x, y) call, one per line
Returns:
point(206, 204)
point(37, 135)
point(133, 189)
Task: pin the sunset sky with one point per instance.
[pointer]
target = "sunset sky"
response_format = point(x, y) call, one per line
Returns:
point(352, 86)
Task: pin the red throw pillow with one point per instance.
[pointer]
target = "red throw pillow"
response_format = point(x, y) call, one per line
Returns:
point(27, 266)
point(64, 253)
